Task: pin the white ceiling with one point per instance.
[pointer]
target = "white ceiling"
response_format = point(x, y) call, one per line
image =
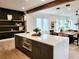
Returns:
point(63, 11)
point(22, 5)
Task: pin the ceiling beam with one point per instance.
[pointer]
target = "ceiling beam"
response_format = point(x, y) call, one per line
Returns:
point(48, 5)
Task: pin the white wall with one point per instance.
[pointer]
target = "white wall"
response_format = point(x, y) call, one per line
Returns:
point(31, 20)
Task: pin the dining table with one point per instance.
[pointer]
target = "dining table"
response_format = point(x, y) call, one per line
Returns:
point(70, 34)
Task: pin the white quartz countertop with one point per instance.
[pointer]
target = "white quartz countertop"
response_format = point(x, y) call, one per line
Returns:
point(45, 38)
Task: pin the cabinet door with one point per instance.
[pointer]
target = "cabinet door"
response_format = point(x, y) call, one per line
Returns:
point(36, 52)
point(18, 41)
point(19, 45)
point(42, 51)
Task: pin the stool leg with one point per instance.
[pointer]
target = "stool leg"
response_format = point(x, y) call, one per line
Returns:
point(77, 42)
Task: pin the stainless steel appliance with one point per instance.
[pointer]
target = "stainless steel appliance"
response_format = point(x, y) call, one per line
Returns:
point(27, 44)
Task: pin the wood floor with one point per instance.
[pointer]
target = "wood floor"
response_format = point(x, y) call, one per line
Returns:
point(12, 54)
point(8, 50)
point(74, 51)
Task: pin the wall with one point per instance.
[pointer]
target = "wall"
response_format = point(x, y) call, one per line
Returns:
point(15, 14)
point(31, 20)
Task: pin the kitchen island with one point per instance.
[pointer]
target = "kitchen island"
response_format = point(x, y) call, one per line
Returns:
point(43, 47)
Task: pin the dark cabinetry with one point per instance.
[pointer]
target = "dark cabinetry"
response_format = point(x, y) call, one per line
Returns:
point(41, 51)
point(9, 27)
point(19, 43)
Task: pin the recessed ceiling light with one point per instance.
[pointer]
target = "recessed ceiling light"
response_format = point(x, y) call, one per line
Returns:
point(23, 8)
point(58, 8)
point(67, 5)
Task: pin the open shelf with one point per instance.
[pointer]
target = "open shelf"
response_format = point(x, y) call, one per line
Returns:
point(11, 21)
point(15, 31)
point(9, 26)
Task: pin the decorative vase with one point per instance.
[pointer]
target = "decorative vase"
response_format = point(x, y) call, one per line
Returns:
point(9, 17)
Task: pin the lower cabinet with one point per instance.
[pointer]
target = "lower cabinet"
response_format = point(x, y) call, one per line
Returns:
point(18, 42)
point(19, 45)
point(41, 51)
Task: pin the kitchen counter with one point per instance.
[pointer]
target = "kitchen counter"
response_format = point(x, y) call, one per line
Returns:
point(45, 38)
point(45, 46)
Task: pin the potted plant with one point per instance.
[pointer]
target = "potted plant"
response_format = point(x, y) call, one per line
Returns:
point(37, 30)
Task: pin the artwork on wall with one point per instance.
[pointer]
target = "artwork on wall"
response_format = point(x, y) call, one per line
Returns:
point(9, 17)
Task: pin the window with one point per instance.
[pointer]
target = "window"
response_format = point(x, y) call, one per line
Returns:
point(62, 23)
point(42, 23)
point(66, 23)
point(39, 23)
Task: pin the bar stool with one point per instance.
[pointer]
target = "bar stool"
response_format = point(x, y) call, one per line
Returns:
point(77, 39)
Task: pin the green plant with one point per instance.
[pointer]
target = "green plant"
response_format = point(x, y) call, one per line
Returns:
point(36, 30)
